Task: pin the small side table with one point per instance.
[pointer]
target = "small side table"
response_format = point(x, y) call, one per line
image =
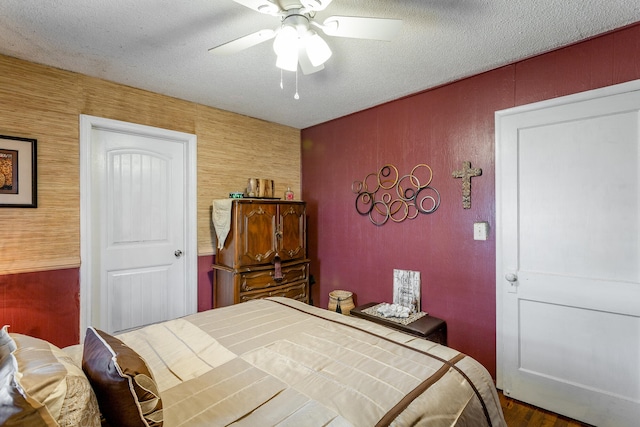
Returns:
point(427, 327)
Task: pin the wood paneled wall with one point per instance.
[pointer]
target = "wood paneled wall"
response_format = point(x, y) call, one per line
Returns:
point(45, 103)
point(441, 127)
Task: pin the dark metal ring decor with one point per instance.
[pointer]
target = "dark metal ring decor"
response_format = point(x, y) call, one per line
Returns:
point(364, 199)
point(385, 194)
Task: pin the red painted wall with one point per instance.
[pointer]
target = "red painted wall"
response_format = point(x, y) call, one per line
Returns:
point(44, 305)
point(441, 127)
point(205, 282)
point(47, 304)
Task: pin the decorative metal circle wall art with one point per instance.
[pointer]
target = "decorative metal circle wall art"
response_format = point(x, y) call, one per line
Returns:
point(386, 195)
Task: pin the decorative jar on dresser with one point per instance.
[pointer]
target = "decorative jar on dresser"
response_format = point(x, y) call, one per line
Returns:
point(264, 254)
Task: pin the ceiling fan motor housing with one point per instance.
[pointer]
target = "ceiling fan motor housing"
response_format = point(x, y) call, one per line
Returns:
point(297, 20)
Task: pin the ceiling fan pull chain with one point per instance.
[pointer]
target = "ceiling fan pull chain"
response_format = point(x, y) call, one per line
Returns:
point(296, 96)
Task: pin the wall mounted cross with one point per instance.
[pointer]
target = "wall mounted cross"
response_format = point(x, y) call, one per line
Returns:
point(466, 173)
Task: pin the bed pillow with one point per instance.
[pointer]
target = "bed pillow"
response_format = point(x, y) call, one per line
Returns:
point(41, 386)
point(127, 393)
point(7, 345)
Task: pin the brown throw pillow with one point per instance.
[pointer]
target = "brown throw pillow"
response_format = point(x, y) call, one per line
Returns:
point(127, 393)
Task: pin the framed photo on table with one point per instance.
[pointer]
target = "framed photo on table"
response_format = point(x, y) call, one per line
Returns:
point(18, 172)
point(406, 289)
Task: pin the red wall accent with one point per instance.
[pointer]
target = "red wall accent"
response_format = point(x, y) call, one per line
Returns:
point(47, 304)
point(441, 127)
point(205, 283)
point(44, 305)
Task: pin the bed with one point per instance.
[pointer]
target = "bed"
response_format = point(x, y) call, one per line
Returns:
point(265, 362)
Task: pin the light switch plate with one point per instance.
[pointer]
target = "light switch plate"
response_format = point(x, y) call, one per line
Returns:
point(480, 230)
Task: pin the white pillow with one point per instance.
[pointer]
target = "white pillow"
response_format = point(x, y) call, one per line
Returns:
point(41, 386)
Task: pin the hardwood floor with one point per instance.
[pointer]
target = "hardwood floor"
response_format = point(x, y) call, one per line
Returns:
point(519, 414)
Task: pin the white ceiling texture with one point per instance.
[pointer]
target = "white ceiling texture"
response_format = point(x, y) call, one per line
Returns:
point(162, 46)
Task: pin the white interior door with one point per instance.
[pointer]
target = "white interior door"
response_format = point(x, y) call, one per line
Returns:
point(141, 249)
point(568, 254)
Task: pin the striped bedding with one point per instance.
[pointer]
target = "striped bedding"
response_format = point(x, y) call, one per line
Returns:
point(280, 362)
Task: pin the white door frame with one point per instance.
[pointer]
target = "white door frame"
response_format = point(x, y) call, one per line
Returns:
point(500, 220)
point(87, 124)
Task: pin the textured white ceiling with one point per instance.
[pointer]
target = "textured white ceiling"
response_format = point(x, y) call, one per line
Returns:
point(161, 46)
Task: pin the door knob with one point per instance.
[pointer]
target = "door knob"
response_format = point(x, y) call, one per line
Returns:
point(512, 278)
point(178, 253)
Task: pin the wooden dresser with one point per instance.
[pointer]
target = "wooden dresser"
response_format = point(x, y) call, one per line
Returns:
point(264, 234)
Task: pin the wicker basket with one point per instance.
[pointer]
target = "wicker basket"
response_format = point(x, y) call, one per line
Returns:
point(341, 302)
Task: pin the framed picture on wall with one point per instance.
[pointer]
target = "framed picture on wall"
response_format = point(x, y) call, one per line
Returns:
point(18, 174)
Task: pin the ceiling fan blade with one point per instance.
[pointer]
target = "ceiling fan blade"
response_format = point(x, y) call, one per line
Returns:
point(316, 5)
point(243, 43)
point(305, 63)
point(361, 27)
point(263, 6)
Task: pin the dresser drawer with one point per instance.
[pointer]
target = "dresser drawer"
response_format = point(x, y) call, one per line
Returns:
point(262, 279)
point(297, 290)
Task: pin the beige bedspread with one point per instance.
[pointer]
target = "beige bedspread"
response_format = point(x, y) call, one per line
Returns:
point(281, 362)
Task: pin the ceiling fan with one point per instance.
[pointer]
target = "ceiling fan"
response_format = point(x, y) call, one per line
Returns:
point(296, 40)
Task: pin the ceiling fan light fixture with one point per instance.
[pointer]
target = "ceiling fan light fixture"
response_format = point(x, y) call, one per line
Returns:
point(288, 60)
point(297, 41)
point(286, 40)
point(317, 49)
point(285, 46)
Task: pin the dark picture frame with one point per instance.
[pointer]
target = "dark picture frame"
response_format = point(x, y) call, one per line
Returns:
point(18, 172)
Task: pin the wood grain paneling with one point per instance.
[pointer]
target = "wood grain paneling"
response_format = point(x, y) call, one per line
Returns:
point(28, 88)
point(237, 148)
point(107, 99)
point(45, 103)
point(441, 127)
